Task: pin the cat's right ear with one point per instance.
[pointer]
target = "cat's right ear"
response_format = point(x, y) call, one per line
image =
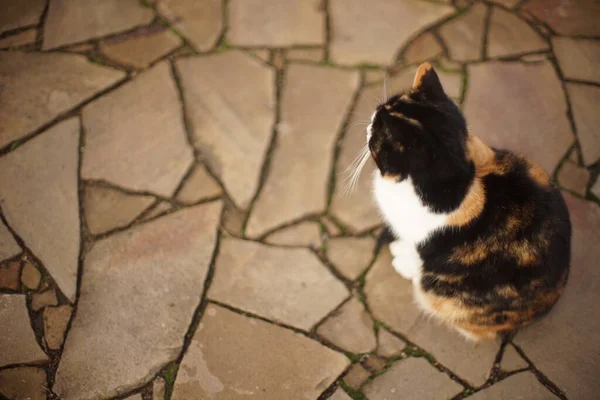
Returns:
point(427, 82)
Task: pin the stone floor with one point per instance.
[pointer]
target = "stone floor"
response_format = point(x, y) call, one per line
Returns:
point(174, 223)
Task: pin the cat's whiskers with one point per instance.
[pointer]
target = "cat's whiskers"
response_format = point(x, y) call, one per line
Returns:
point(354, 169)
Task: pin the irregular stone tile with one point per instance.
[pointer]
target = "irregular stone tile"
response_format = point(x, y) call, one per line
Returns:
point(526, 113)
point(227, 360)
point(584, 102)
point(264, 55)
point(17, 14)
point(574, 178)
point(142, 47)
point(8, 245)
point(278, 59)
point(233, 220)
point(350, 256)
point(412, 379)
point(73, 21)
point(138, 296)
point(200, 185)
point(506, 3)
point(356, 376)
point(316, 55)
point(307, 234)
point(30, 276)
point(339, 394)
point(375, 363)
point(571, 18)
point(107, 208)
point(275, 24)
point(350, 328)
point(534, 58)
point(331, 227)
point(232, 132)
point(519, 386)
point(374, 75)
point(9, 275)
point(464, 35)
point(161, 208)
point(384, 29)
point(55, 325)
point(135, 136)
point(299, 175)
point(136, 396)
point(19, 39)
point(596, 189)
point(158, 388)
point(44, 299)
point(261, 279)
point(201, 22)
point(423, 48)
point(18, 343)
point(37, 87)
point(509, 35)
point(511, 360)
point(578, 58)
point(38, 181)
point(389, 345)
point(564, 344)
point(23, 383)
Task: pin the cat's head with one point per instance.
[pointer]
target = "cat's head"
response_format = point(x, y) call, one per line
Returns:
point(420, 131)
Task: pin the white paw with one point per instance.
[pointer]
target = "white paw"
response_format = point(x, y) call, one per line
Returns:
point(407, 261)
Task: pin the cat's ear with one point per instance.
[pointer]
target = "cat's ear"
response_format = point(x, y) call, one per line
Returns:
point(427, 82)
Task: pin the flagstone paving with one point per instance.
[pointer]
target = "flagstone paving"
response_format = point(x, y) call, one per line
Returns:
point(176, 221)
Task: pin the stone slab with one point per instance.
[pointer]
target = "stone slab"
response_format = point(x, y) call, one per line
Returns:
point(423, 48)
point(511, 360)
point(55, 325)
point(199, 186)
point(350, 256)
point(305, 234)
point(9, 275)
point(578, 58)
point(570, 18)
point(509, 35)
point(18, 14)
point(464, 35)
point(30, 276)
point(19, 39)
point(389, 345)
point(8, 245)
point(573, 177)
point(23, 383)
point(584, 104)
point(520, 386)
point(44, 299)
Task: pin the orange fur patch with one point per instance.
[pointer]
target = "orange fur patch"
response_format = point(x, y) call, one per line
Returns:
point(421, 72)
point(471, 207)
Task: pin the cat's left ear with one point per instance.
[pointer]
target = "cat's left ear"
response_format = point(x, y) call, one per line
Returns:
point(427, 82)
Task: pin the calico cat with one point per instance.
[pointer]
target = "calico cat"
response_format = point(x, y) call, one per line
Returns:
point(482, 233)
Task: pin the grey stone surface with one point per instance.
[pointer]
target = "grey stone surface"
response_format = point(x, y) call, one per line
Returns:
point(55, 325)
point(232, 132)
point(73, 21)
point(299, 175)
point(17, 14)
point(107, 208)
point(389, 345)
point(350, 256)
point(572, 18)
point(8, 245)
point(523, 386)
point(228, 360)
point(573, 177)
point(464, 35)
point(310, 54)
point(383, 30)
point(43, 299)
point(526, 113)
point(30, 276)
point(19, 39)
point(584, 101)
point(287, 285)
point(138, 296)
point(199, 186)
point(135, 136)
point(350, 328)
point(38, 182)
point(201, 22)
point(36, 88)
point(564, 344)
point(511, 360)
point(423, 48)
point(412, 379)
point(23, 383)
point(275, 23)
point(306, 234)
point(509, 35)
point(578, 58)
point(18, 343)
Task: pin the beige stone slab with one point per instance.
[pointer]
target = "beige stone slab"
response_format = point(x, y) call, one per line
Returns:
point(315, 55)
point(17, 14)
point(23, 383)
point(299, 175)
point(18, 343)
point(19, 39)
point(44, 299)
point(159, 209)
point(201, 22)
point(73, 21)
point(107, 208)
point(519, 386)
point(276, 24)
point(464, 35)
point(506, 3)
point(286, 285)
point(55, 325)
point(509, 35)
point(412, 379)
point(138, 295)
point(339, 394)
point(199, 186)
point(350, 328)
point(423, 48)
point(159, 388)
point(572, 18)
point(389, 345)
point(564, 344)
point(384, 29)
point(306, 234)
point(526, 113)
point(8, 245)
point(38, 182)
point(142, 47)
point(39, 87)
point(234, 357)
point(578, 58)
point(356, 376)
point(232, 132)
point(135, 136)
point(511, 360)
point(584, 104)
point(30, 276)
point(573, 177)
point(350, 256)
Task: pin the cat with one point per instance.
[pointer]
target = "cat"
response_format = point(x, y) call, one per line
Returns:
point(482, 233)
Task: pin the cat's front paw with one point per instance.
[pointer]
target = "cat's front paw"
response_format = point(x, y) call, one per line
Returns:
point(407, 261)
